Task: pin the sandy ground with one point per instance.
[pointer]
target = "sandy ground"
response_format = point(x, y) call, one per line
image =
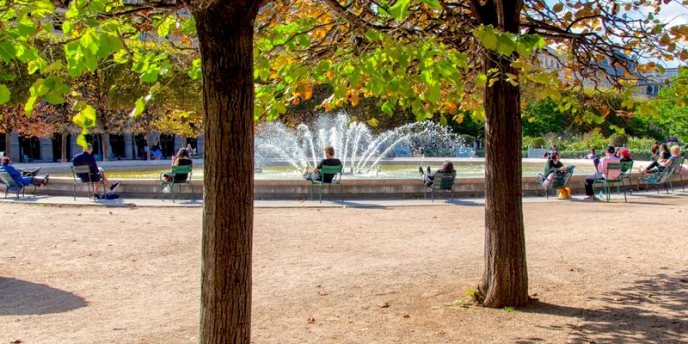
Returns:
point(602, 272)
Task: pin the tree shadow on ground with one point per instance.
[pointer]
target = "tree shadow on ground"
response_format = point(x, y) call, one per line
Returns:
point(651, 310)
point(19, 297)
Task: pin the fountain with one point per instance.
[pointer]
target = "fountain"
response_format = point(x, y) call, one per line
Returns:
point(359, 150)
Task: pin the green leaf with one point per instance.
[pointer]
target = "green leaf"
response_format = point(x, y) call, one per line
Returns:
point(280, 108)
point(487, 36)
point(4, 94)
point(150, 76)
point(81, 139)
point(140, 106)
point(433, 94)
point(67, 27)
point(7, 76)
point(7, 51)
point(166, 26)
point(505, 45)
point(481, 80)
point(28, 107)
point(86, 118)
point(399, 10)
point(387, 108)
point(195, 72)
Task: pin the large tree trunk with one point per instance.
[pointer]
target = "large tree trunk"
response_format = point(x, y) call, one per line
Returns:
point(225, 33)
point(505, 277)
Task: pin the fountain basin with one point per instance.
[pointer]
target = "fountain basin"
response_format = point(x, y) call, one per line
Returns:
point(299, 189)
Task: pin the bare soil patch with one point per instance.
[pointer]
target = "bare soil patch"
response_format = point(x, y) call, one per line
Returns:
point(602, 273)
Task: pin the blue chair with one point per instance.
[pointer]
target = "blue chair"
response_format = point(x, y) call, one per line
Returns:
point(12, 185)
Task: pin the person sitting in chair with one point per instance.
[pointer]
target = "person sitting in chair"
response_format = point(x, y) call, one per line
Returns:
point(602, 173)
point(181, 159)
point(552, 167)
point(95, 174)
point(428, 178)
point(329, 160)
point(17, 175)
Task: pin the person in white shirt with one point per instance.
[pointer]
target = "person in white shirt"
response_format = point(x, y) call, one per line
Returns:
point(602, 172)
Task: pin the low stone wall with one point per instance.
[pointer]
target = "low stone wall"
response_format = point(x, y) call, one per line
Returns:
point(299, 189)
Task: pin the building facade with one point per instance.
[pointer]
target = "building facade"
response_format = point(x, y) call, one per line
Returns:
point(119, 147)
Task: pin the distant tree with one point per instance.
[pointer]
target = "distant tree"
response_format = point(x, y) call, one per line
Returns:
point(669, 110)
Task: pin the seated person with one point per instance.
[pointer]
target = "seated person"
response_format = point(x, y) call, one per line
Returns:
point(95, 174)
point(601, 173)
point(181, 159)
point(191, 150)
point(663, 160)
point(553, 166)
point(428, 178)
point(329, 160)
point(18, 177)
point(625, 155)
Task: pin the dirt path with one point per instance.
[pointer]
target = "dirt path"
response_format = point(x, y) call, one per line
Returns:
point(602, 272)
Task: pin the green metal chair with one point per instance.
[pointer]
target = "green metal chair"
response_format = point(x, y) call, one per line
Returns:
point(442, 181)
point(663, 177)
point(626, 170)
point(607, 184)
point(560, 180)
point(12, 185)
point(336, 173)
point(165, 183)
point(678, 170)
point(85, 170)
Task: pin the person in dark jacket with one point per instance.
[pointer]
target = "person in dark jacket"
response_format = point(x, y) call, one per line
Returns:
point(95, 174)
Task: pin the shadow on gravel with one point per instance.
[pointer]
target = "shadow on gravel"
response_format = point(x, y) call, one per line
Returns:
point(19, 297)
point(652, 310)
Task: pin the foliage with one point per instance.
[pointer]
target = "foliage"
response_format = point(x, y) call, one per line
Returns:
point(669, 110)
point(532, 142)
point(618, 140)
point(638, 144)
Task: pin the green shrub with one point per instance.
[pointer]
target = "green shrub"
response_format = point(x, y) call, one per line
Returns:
point(618, 139)
point(640, 144)
point(532, 142)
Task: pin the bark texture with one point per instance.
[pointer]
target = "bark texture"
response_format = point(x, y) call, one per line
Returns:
point(225, 32)
point(505, 277)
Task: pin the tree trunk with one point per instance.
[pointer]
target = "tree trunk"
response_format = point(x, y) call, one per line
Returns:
point(505, 277)
point(8, 143)
point(105, 144)
point(225, 33)
point(63, 147)
point(148, 146)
